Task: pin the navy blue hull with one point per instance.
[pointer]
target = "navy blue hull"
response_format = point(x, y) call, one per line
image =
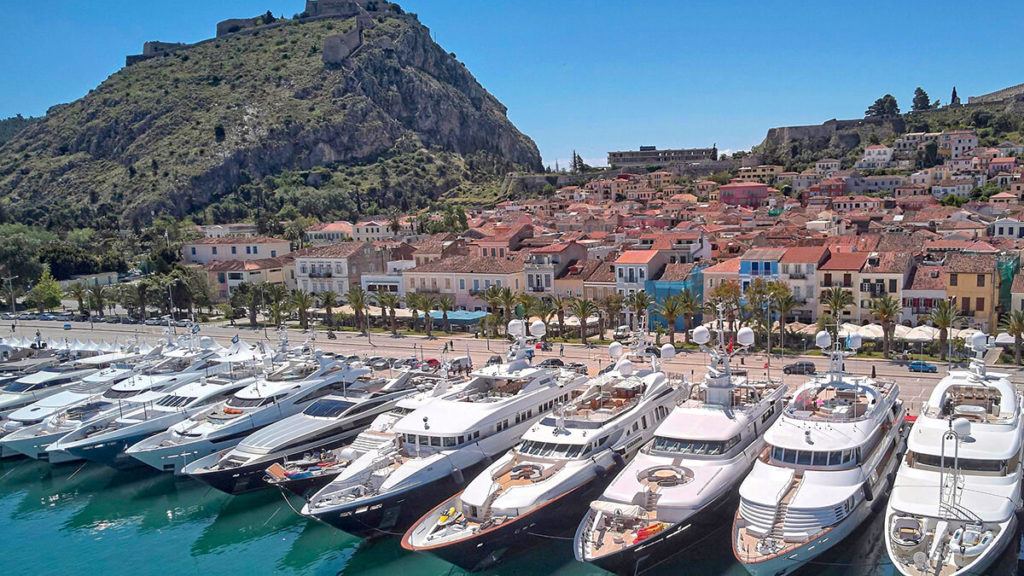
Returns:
point(394, 514)
point(111, 453)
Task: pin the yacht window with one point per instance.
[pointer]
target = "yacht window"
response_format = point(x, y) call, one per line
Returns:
point(803, 458)
point(115, 394)
point(435, 441)
point(338, 387)
point(327, 408)
point(174, 401)
point(820, 459)
point(966, 464)
point(462, 439)
point(237, 402)
point(449, 442)
point(778, 454)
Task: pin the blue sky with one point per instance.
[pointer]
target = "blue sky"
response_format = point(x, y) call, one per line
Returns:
point(592, 75)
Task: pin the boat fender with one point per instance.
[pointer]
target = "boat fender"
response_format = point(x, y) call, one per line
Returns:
point(618, 459)
point(600, 471)
point(867, 493)
point(457, 476)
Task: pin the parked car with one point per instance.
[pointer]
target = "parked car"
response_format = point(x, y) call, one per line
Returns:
point(46, 317)
point(654, 350)
point(544, 346)
point(67, 325)
point(802, 367)
point(578, 367)
point(552, 363)
point(431, 364)
point(8, 316)
point(621, 333)
point(461, 364)
point(922, 366)
point(153, 322)
point(380, 364)
point(495, 359)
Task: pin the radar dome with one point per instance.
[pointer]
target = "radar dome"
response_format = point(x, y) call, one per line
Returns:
point(625, 367)
point(615, 349)
point(823, 339)
point(538, 329)
point(962, 427)
point(745, 337)
point(979, 342)
point(667, 351)
point(516, 328)
point(701, 335)
point(207, 343)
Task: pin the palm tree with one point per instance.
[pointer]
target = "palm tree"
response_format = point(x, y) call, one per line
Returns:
point(79, 292)
point(638, 302)
point(1013, 324)
point(785, 305)
point(328, 300)
point(508, 300)
point(944, 316)
point(97, 298)
point(689, 305)
point(729, 295)
point(303, 301)
point(582, 308)
point(560, 304)
point(414, 301)
point(429, 302)
point(670, 309)
point(837, 299)
point(359, 301)
point(887, 311)
point(492, 296)
point(277, 297)
point(389, 301)
point(611, 310)
point(446, 304)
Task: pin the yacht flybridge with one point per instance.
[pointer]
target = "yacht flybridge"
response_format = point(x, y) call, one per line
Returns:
point(443, 442)
point(682, 484)
point(564, 461)
point(829, 462)
point(103, 439)
point(300, 379)
point(954, 504)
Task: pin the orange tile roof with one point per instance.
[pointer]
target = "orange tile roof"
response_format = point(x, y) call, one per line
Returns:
point(845, 261)
point(636, 256)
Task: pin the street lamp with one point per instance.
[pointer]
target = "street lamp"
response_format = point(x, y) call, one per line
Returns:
point(10, 288)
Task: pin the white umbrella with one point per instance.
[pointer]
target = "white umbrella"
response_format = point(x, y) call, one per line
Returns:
point(810, 330)
point(900, 332)
point(922, 334)
point(871, 332)
point(966, 333)
point(77, 345)
point(145, 348)
point(1004, 339)
point(848, 328)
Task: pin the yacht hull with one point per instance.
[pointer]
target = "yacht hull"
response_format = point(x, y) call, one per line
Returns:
point(556, 518)
point(109, 452)
point(393, 513)
point(981, 565)
point(306, 486)
point(35, 447)
point(175, 458)
point(677, 538)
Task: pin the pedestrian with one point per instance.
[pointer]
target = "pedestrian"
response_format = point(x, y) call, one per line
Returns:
point(561, 349)
point(451, 345)
point(445, 350)
point(872, 370)
point(12, 327)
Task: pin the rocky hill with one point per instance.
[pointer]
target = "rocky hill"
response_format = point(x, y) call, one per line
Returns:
point(334, 115)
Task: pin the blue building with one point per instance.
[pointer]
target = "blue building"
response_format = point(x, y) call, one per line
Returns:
point(674, 280)
point(760, 263)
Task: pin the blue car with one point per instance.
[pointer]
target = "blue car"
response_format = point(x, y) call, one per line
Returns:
point(922, 366)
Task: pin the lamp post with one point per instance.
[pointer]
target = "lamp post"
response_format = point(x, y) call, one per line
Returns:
point(10, 288)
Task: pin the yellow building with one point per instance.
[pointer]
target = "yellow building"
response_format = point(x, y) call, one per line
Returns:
point(972, 282)
point(765, 173)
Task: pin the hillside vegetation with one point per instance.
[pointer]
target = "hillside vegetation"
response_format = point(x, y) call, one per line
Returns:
point(258, 122)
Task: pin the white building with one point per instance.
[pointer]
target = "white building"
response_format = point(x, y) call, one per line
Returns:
point(206, 250)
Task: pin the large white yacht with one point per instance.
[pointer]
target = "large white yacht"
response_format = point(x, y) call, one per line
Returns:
point(46, 382)
point(829, 463)
point(111, 369)
point(343, 410)
point(683, 484)
point(174, 368)
point(443, 443)
point(314, 469)
point(564, 461)
point(300, 380)
point(954, 506)
point(104, 438)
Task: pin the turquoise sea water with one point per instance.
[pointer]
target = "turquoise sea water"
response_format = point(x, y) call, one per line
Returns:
point(74, 519)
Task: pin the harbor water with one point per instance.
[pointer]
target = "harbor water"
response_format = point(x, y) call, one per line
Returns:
point(88, 519)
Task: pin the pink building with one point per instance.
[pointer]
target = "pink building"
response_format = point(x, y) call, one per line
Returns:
point(750, 194)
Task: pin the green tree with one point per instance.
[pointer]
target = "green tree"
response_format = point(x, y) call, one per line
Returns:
point(277, 299)
point(559, 304)
point(414, 301)
point(670, 309)
point(389, 301)
point(887, 311)
point(884, 106)
point(508, 300)
point(46, 294)
point(97, 298)
point(921, 100)
point(302, 301)
point(79, 292)
point(328, 301)
point(944, 316)
point(638, 302)
point(429, 302)
point(1013, 324)
point(582, 309)
point(611, 311)
point(247, 296)
point(445, 304)
point(492, 296)
point(359, 301)
point(785, 303)
point(837, 299)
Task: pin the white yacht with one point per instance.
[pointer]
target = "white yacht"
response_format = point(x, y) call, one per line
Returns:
point(104, 438)
point(172, 369)
point(683, 484)
point(35, 386)
point(564, 461)
point(828, 464)
point(282, 393)
point(111, 369)
point(954, 506)
point(341, 411)
point(313, 470)
point(442, 443)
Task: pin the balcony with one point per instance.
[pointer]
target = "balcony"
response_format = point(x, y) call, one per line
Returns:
point(320, 274)
point(536, 288)
point(798, 276)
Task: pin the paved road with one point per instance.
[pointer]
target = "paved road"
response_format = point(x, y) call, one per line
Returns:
point(914, 387)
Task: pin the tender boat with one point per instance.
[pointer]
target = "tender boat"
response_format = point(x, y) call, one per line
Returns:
point(829, 463)
point(299, 380)
point(173, 368)
point(683, 484)
point(112, 368)
point(105, 438)
point(954, 506)
point(315, 469)
point(344, 410)
point(443, 443)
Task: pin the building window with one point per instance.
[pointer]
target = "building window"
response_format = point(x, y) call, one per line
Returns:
point(193, 250)
point(255, 249)
point(220, 277)
point(892, 285)
point(980, 304)
point(462, 283)
point(953, 279)
point(248, 249)
point(234, 249)
point(981, 280)
point(214, 249)
point(273, 253)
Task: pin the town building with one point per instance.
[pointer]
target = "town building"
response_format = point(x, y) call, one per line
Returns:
point(207, 250)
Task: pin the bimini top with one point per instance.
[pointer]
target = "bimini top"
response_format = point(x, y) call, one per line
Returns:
point(982, 397)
